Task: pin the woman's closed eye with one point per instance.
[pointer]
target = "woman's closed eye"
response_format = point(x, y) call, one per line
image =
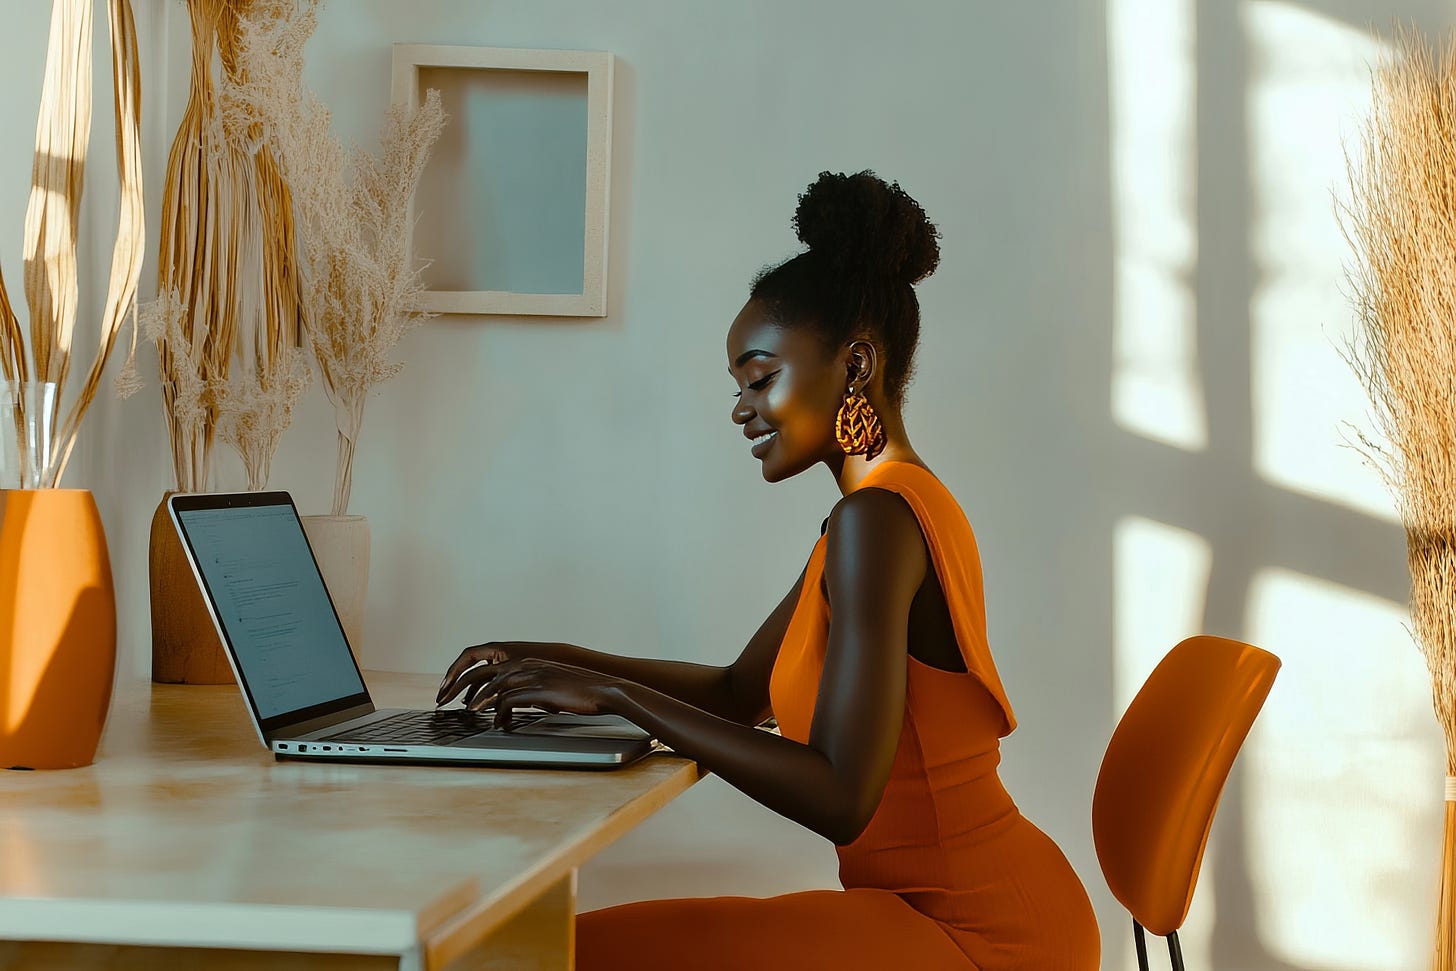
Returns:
point(760, 384)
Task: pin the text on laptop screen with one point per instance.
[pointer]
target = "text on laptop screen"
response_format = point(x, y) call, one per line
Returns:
point(271, 601)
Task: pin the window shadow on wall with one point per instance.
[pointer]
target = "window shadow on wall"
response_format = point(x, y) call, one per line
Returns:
point(1250, 523)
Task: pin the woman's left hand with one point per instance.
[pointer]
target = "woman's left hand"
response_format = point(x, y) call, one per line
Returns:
point(532, 682)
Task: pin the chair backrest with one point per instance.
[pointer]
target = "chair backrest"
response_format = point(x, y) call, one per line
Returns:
point(1165, 768)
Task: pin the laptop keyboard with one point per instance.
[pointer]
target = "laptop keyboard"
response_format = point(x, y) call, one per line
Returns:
point(426, 727)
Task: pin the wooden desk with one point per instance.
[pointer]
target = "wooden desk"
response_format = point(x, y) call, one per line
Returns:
point(186, 835)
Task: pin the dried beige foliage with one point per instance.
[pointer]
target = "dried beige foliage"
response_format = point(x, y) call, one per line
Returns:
point(351, 210)
point(165, 322)
point(52, 225)
point(228, 263)
point(1401, 223)
point(256, 404)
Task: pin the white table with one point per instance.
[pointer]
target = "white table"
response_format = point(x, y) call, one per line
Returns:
point(186, 845)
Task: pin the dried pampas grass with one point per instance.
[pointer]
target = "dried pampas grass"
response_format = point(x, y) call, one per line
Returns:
point(228, 267)
point(1401, 223)
point(350, 209)
point(52, 222)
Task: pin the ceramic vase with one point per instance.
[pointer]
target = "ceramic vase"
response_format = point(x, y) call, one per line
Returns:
point(185, 646)
point(341, 547)
point(58, 646)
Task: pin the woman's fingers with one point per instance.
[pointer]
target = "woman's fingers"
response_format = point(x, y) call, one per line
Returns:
point(513, 684)
point(506, 701)
point(471, 683)
point(491, 681)
point(491, 653)
point(471, 692)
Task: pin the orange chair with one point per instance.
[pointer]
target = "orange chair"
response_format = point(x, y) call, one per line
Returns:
point(1162, 775)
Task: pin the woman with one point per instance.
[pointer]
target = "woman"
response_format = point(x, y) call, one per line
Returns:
point(875, 664)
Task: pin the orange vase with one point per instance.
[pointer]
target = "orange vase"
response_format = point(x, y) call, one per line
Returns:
point(57, 628)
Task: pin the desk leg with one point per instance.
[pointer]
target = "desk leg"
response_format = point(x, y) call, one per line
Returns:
point(542, 937)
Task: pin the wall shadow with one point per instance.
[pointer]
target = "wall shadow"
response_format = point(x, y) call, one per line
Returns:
point(1249, 523)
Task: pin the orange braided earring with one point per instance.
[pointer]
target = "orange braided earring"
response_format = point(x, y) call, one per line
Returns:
point(857, 428)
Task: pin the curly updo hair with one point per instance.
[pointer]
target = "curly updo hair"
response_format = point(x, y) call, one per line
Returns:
point(868, 244)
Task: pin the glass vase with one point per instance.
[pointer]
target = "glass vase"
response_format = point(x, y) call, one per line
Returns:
point(28, 420)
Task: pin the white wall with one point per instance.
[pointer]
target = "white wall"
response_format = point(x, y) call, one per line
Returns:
point(1128, 376)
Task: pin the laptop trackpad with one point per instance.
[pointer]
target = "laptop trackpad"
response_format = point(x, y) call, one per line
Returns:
point(562, 726)
point(584, 726)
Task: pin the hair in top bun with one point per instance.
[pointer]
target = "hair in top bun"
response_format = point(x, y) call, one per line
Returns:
point(868, 244)
point(867, 226)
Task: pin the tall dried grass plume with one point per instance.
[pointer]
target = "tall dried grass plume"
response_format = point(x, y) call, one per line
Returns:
point(228, 268)
point(1400, 221)
point(52, 226)
point(351, 214)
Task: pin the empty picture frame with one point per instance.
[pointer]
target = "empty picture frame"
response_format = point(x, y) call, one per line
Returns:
point(510, 215)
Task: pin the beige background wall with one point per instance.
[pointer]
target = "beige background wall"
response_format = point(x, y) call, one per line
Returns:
point(1129, 377)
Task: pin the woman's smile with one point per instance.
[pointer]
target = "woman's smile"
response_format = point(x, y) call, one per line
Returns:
point(789, 388)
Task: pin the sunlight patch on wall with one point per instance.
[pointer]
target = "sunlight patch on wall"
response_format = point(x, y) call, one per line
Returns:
point(1343, 788)
point(1161, 580)
point(1308, 93)
point(1151, 79)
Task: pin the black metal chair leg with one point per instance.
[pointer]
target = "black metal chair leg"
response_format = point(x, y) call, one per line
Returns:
point(1142, 946)
point(1175, 951)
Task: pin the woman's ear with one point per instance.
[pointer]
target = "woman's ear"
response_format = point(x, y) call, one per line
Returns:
point(863, 364)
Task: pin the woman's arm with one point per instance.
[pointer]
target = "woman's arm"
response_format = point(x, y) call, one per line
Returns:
point(875, 562)
point(701, 685)
point(737, 692)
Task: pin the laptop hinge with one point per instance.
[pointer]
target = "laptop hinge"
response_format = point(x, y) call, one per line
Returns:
point(323, 721)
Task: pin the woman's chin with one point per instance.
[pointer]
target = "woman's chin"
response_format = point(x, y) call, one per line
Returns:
point(778, 471)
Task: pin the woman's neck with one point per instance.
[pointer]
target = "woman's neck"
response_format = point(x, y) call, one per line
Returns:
point(851, 470)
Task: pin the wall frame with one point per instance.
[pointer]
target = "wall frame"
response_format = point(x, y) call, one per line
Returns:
point(511, 214)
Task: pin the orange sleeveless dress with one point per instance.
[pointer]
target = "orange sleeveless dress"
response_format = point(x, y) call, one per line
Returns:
point(948, 874)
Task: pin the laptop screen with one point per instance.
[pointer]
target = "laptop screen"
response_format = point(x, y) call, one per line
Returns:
point(271, 603)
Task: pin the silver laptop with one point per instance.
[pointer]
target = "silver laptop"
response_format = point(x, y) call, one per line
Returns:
point(304, 690)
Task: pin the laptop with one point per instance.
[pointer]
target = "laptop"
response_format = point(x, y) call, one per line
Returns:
point(303, 687)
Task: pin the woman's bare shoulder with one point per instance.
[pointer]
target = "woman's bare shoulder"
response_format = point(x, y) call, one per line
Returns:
point(873, 529)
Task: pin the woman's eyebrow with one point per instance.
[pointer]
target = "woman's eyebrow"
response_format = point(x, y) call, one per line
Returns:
point(749, 355)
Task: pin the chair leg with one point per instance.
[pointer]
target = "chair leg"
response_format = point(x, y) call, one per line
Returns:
point(1141, 944)
point(1175, 951)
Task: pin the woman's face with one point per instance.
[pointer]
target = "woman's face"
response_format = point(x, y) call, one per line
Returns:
point(789, 390)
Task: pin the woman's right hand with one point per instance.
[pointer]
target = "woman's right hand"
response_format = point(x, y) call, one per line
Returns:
point(468, 672)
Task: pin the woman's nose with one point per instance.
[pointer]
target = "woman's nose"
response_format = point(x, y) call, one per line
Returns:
point(742, 413)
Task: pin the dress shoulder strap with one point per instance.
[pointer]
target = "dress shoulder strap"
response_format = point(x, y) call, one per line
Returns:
point(957, 562)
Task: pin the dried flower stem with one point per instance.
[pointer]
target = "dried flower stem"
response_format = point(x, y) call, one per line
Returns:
point(1401, 223)
point(205, 214)
point(52, 223)
point(350, 207)
point(269, 372)
point(229, 365)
